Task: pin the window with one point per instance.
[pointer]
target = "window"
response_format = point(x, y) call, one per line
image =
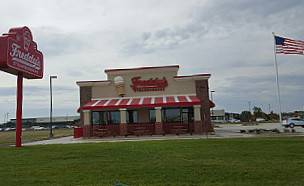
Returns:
point(152, 117)
point(101, 118)
point(113, 117)
point(95, 119)
point(172, 115)
point(131, 116)
point(187, 115)
point(178, 115)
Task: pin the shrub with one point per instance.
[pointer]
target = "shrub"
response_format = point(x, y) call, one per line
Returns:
point(286, 130)
point(276, 130)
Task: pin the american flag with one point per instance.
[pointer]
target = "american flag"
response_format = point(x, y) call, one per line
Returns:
point(289, 46)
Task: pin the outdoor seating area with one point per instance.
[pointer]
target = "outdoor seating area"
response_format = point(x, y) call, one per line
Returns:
point(134, 130)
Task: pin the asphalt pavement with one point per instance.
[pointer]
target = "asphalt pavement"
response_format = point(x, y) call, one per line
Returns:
point(221, 131)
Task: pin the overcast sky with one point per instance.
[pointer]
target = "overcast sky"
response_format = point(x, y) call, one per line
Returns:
point(232, 40)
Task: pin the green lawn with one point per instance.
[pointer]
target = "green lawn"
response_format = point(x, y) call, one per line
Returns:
point(246, 161)
point(33, 135)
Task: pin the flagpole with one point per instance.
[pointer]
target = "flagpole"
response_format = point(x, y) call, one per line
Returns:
point(277, 78)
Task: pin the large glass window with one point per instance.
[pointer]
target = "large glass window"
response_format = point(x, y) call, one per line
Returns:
point(113, 117)
point(176, 115)
point(95, 118)
point(152, 116)
point(131, 116)
point(187, 115)
point(172, 115)
point(105, 118)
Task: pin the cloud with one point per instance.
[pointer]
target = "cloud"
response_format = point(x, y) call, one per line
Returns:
point(55, 42)
point(7, 91)
point(214, 20)
point(230, 39)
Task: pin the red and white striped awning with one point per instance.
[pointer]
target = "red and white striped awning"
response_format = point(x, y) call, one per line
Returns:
point(142, 102)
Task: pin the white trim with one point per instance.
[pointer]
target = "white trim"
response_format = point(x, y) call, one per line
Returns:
point(164, 100)
point(141, 101)
point(188, 99)
point(117, 103)
point(176, 99)
point(93, 83)
point(96, 103)
point(107, 102)
point(152, 100)
point(130, 101)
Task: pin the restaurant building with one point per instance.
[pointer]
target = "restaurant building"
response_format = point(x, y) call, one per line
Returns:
point(145, 101)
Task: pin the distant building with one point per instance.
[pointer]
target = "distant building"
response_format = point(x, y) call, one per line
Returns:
point(218, 116)
point(229, 116)
point(58, 120)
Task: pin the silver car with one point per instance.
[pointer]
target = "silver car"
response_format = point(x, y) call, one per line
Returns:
point(292, 122)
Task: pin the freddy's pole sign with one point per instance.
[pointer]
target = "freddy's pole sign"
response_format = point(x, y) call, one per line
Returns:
point(19, 56)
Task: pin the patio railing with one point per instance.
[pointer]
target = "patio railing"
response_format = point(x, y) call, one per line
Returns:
point(139, 129)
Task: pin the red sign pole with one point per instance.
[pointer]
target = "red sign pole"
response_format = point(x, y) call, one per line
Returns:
point(19, 56)
point(19, 110)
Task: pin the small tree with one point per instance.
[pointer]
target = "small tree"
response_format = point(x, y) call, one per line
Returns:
point(258, 113)
point(273, 116)
point(245, 116)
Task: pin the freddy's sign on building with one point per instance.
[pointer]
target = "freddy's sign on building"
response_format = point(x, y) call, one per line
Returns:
point(19, 54)
point(139, 85)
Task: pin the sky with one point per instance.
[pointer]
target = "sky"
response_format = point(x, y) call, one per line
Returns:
point(231, 40)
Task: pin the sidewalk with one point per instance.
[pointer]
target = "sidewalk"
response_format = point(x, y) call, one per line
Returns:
point(72, 140)
point(221, 131)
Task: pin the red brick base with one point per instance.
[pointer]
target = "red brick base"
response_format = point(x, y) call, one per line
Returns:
point(123, 129)
point(159, 129)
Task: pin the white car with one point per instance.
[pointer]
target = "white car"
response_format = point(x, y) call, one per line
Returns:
point(260, 119)
point(292, 122)
point(39, 128)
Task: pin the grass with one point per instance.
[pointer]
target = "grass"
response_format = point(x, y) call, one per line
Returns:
point(9, 137)
point(250, 161)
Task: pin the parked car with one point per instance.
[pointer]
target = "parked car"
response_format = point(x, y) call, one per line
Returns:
point(38, 128)
point(260, 119)
point(292, 122)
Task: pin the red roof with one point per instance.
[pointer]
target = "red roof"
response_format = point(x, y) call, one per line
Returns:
point(142, 102)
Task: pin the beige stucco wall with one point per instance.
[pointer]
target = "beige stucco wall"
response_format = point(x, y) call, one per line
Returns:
point(174, 87)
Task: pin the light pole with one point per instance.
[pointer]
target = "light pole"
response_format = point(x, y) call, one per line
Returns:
point(212, 101)
point(51, 107)
point(249, 108)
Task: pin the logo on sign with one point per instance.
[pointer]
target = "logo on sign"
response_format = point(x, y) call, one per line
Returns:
point(24, 58)
point(151, 84)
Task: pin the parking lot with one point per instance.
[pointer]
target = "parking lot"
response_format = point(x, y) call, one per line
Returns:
point(234, 130)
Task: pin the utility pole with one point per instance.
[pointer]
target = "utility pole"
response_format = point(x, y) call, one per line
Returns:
point(249, 107)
